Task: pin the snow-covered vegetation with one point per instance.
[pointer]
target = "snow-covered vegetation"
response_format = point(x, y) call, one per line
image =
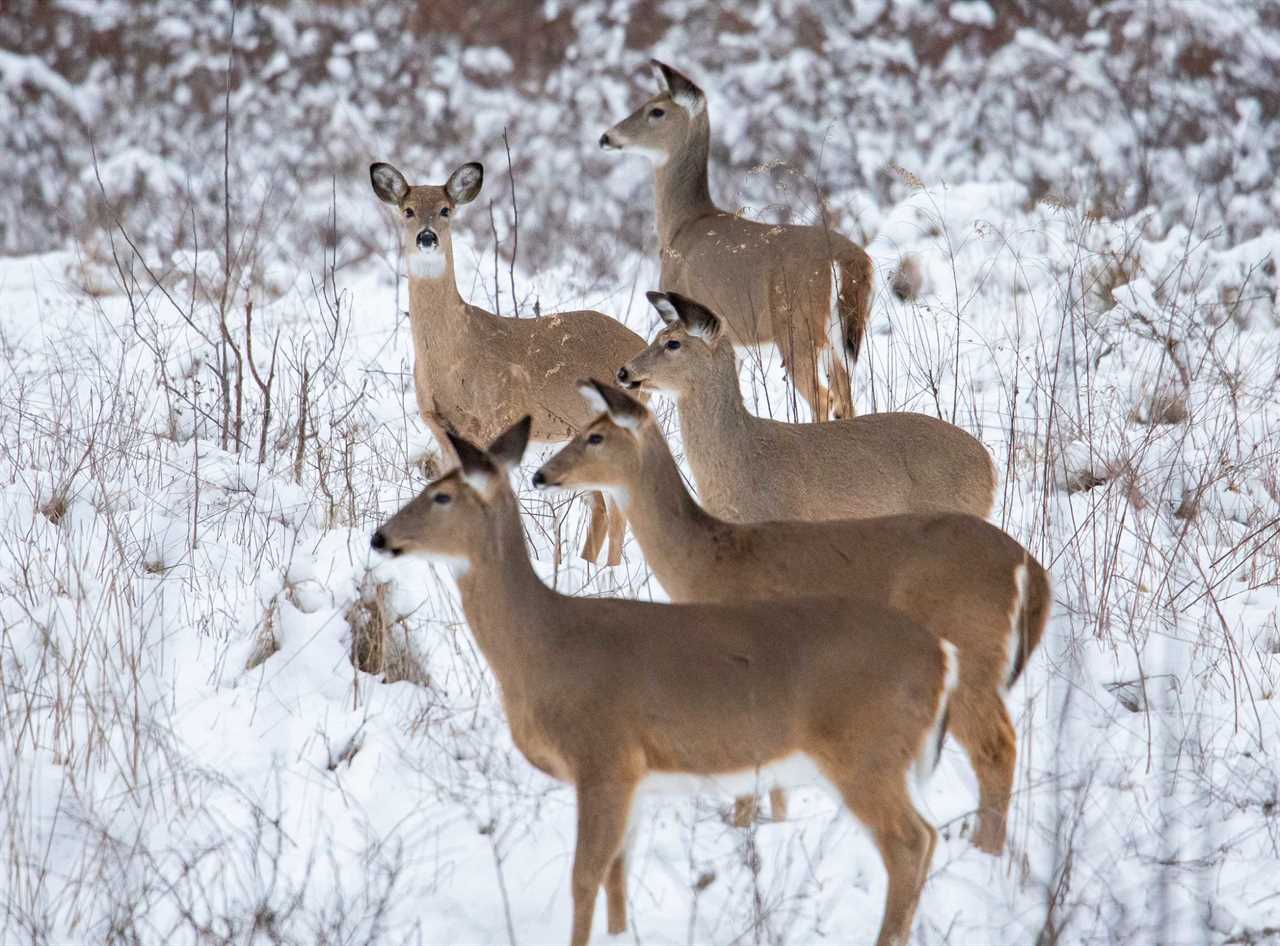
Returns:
point(222, 720)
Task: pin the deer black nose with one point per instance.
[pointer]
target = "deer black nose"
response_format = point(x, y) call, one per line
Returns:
point(427, 240)
point(623, 375)
point(539, 479)
point(379, 541)
point(605, 142)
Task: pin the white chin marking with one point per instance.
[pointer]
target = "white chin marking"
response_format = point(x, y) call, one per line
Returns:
point(426, 264)
point(457, 565)
point(618, 494)
point(657, 156)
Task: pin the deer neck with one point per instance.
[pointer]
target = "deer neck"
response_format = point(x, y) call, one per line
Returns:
point(672, 529)
point(502, 597)
point(436, 309)
point(680, 185)
point(715, 412)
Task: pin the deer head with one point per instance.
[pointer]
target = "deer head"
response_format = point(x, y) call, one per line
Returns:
point(426, 213)
point(605, 451)
point(666, 123)
point(689, 347)
point(458, 515)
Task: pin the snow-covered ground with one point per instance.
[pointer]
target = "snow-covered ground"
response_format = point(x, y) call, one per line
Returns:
point(165, 782)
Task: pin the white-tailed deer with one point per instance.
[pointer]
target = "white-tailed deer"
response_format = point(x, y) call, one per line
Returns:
point(610, 695)
point(956, 575)
point(750, 468)
point(785, 284)
point(475, 372)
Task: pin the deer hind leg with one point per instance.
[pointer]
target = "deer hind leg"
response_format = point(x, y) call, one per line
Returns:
point(905, 841)
point(983, 727)
point(603, 810)
point(841, 389)
point(617, 530)
point(596, 529)
point(778, 804)
point(615, 891)
point(800, 359)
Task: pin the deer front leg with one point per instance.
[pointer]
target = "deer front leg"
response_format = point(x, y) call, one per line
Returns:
point(596, 529)
point(604, 805)
point(617, 530)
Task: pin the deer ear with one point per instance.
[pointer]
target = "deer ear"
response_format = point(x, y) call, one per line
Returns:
point(507, 451)
point(465, 183)
point(622, 408)
point(698, 320)
point(662, 302)
point(477, 469)
point(388, 183)
point(681, 88)
point(593, 397)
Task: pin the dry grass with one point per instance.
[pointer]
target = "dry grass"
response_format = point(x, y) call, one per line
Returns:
point(381, 641)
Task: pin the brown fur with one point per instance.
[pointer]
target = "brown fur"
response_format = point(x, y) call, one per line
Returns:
point(954, 574)
point(476, 373)
point(752, 468)
point(602, 692)
point(772, 282)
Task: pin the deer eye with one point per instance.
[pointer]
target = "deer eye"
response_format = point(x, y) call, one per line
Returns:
point(408, 213)
point(442, 499)
point(595, 439)
point(444, 211)
point(673, 344)
point(657, 112)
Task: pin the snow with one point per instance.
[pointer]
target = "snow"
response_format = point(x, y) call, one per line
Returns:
point(190, 753)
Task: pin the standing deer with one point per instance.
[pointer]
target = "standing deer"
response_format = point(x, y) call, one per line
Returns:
point(611, 695)
point(783, 284)
point(956, 575)
point(751, 468)
point(475, 372)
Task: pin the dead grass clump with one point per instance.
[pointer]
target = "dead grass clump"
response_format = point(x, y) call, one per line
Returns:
point(267, 643)
point(1113, 270)
point(55, 508)
point(380, 642)
point(907, 281)
point(1163, 407)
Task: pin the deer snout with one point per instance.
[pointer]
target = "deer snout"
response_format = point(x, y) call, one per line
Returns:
point(427, 240)
point(542, 481)
point(379, 544)
point(607, 143)
point(627, 379)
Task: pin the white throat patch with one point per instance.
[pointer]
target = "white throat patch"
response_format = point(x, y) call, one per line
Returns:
point(426, 264)
point(457, 565)
point(656, 156)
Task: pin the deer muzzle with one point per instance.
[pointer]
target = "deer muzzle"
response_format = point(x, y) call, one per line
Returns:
point(427, 240)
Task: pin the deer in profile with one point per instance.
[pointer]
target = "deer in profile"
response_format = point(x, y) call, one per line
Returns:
point(750, 468)
point(957, 575)
point(786, 284)
point(612, 695)
point(475, 372)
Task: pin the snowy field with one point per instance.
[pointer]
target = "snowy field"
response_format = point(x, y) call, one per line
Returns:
point(223, 720)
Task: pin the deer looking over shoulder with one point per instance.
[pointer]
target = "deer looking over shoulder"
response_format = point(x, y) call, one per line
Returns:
point(783, 284)
point(610, 695)
point(752, 469)
point(476, 373)
point(956, 575)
